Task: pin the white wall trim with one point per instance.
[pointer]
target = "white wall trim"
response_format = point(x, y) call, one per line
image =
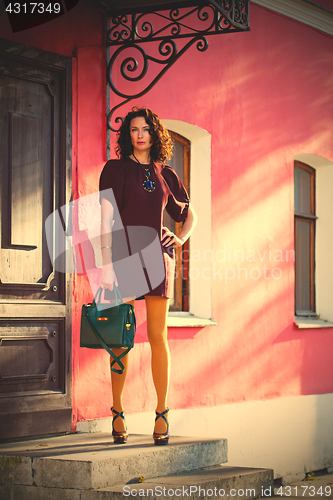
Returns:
point(324, 233)
point(301, 11)
point(305, 323)
point(200, 241)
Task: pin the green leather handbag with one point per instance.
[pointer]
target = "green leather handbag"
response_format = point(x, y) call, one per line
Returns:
point(111, 328)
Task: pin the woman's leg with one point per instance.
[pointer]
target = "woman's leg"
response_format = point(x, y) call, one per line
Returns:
point(157, 310)
point(118, 385)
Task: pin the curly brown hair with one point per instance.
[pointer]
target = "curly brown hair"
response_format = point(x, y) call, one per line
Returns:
point(161, 149)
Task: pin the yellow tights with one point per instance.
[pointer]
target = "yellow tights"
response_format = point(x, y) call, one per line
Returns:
point(157, 310)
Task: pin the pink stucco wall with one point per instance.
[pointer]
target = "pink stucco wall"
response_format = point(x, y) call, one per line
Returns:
point(265, 96)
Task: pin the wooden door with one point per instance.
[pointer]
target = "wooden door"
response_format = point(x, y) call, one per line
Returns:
point(34, 298)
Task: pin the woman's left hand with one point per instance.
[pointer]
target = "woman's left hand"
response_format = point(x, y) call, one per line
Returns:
point(170, 239)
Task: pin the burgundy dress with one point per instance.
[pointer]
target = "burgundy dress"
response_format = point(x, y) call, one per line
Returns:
point(139, 229)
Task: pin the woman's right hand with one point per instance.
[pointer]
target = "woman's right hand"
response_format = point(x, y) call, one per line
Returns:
point(109, 277)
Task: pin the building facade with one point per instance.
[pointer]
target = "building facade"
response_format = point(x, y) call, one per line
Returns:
point(246, 365)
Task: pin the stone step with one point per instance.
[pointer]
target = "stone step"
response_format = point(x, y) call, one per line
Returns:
point(213, 482)
point(315, 487)
point(238, 483)
point(92, 461)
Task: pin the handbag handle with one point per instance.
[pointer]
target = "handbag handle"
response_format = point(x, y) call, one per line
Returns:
point(117, 295)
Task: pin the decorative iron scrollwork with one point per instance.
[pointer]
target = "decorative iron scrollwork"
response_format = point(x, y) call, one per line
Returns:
point(141, 42)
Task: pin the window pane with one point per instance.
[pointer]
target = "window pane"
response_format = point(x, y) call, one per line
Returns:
point(302, 191)
point(180, 163)
point(303, 265)
point(176, 161)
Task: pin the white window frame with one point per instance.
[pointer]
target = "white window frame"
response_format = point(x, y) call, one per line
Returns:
point(200, 293)
point(323, 241)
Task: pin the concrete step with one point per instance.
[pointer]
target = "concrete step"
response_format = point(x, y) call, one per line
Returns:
point(316, 487)
point(214, 482)
point(91, 461)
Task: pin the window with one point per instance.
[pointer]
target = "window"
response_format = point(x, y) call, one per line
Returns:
point(180, 162)
point(305, 229)
point(200, 311)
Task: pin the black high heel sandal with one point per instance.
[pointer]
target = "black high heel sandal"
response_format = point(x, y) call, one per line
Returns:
point(160, 439)
point(119, 437)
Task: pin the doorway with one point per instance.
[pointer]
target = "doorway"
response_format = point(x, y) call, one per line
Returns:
point(35, 300)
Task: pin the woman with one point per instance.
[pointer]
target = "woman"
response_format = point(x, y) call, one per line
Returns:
point(142, 188)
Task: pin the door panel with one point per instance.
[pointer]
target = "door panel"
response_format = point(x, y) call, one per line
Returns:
point(28, 115)
point(25, 182)
point(29, 357)
point(34, 299)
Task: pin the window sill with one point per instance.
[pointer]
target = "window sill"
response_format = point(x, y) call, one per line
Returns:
point(188, 320)
point(312, 323)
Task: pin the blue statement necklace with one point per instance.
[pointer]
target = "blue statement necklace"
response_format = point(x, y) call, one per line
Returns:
point(147, 184)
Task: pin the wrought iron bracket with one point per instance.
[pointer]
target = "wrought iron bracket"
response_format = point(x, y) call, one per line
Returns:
point(142, 45)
